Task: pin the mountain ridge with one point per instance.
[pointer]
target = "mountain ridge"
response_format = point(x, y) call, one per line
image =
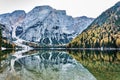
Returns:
point(53, 27)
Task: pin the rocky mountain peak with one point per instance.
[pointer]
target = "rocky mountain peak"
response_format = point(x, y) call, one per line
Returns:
point(42, 7)
point(44, 25)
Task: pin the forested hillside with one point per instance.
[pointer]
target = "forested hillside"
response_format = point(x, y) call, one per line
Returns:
point(103, 32)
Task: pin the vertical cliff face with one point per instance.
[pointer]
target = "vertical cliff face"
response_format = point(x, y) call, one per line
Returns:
point(49, 26)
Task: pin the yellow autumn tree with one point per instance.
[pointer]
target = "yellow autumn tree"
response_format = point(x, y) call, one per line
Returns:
point(118, 42)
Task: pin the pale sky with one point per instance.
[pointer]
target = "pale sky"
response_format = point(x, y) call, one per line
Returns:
point(75, 8)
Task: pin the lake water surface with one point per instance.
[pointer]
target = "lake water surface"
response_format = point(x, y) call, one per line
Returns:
point(60, 65)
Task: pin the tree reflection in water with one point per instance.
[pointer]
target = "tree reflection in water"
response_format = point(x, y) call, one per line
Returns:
point(104, 65)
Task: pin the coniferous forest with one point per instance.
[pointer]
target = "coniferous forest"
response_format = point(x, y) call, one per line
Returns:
point(103, 32)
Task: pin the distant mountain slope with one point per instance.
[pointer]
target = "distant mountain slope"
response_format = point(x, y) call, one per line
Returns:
point(43, 25)
point(103, 32)
point(81, 23)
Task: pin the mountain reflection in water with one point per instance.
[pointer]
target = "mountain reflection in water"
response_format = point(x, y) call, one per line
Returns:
point(44, 65)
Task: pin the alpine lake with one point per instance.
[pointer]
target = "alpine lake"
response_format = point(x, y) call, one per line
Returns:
point(60, 64)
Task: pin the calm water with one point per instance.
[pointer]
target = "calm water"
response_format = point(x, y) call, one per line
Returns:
point(60, 65)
